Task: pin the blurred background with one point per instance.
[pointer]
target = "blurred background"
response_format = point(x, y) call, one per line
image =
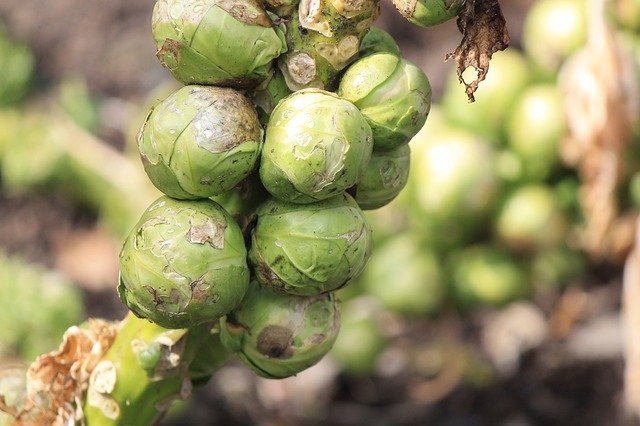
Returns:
point(495, 291)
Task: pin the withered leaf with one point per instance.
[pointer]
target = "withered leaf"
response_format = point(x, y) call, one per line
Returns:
point(484, 32)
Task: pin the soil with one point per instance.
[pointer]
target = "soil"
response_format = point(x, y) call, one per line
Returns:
point(109, 44)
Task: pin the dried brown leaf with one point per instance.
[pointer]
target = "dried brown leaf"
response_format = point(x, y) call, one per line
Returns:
point(56, 380)
point(601, 105)
point(484, 32)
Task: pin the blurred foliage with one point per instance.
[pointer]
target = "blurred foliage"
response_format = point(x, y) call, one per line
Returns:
point(17, 63)
point(36, 305)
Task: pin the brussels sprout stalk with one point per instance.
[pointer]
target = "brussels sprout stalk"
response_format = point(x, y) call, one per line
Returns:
point(323, 38)
point(121, 373)
point(144, 370)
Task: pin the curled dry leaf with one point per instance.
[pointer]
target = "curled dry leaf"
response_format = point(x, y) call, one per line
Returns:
point(56, 380)
point(601, 106)
point(484, 32)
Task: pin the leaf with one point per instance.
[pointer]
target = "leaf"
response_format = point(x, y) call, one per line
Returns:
point(484, 32)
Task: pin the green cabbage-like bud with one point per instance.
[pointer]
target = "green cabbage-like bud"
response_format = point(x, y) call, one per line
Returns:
point(386, 175)
point(531, 218)
point(278, 335)
point(217, 42)
point(200, 142)
point(184, 263)
point(393, 94)
point(361, 340)
point(426, 13)
point(310, 249)
point(406, 276)
point(317, 145)
point(378, 40)
point(453, 185)
point(534, 129)
point(487, 275)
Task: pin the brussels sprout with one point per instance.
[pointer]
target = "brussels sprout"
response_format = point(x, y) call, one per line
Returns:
point(378, 40)
point(278, 335)
point(317, 145)
point(453, 185)
point(487, 275)
point(534, 129)
point(386, 175)
point(427, 13)
point(311, 249)
point(323, 38)
point(200, 142)
point(531, 218)
point(360, 342)
point(405, 276)
point(507, 77)
point(552, 31)
point(184, 263)
point(393, 94)
point(216, 42)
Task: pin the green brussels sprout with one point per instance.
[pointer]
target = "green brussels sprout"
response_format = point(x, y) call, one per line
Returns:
point(552, 31)
point(311, 249)
point(184, 263)
point(216, 42)
point(360, 341)
point(393, 95)
point(405, 276)
point(508, 76)
point(487, 275)
point(453, 185)
point(317, 145)
point(201, 141)
point(378, 40)
point(531, 218)
point(279, 335)
point(386, 175)
point(427, 13)
point(534, 129)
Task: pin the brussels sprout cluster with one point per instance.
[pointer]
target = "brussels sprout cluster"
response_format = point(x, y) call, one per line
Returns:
point(293, 119)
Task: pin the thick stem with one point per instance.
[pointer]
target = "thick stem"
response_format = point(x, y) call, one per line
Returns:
point(145, 369)
point(323, 38)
